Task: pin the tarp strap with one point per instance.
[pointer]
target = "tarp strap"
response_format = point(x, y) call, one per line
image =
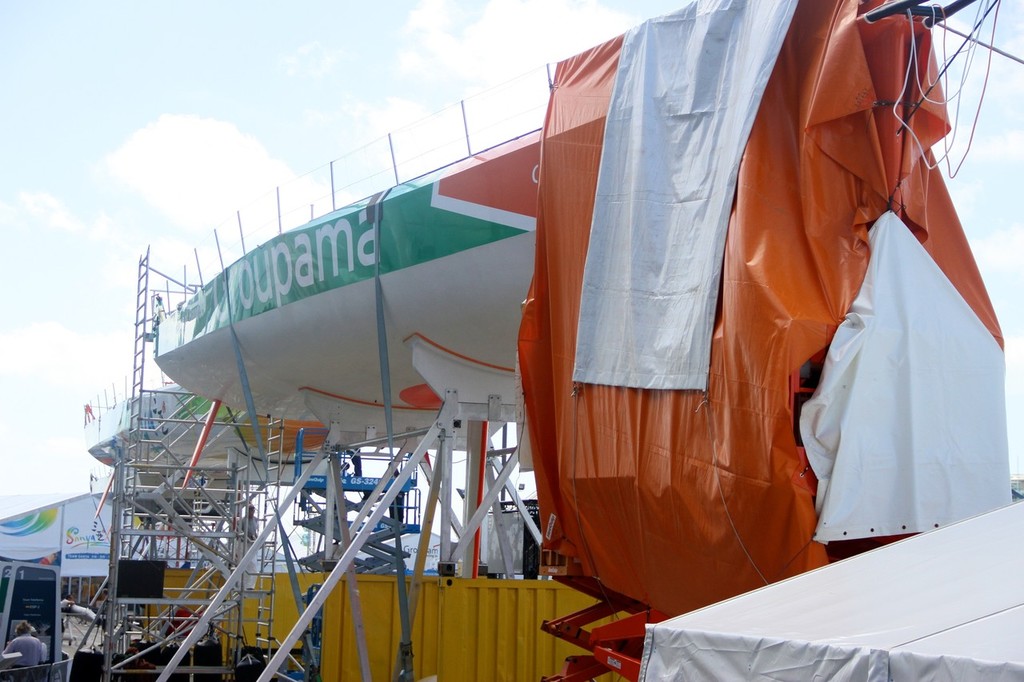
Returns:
point(375, 212)
point(243, 376)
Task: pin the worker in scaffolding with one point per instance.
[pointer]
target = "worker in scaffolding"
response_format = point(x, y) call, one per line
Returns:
point(248, 530)
point(159, 312)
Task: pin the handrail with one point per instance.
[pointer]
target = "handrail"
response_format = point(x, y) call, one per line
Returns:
point(520, 101)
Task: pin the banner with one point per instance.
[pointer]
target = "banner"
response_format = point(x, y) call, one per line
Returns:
point(33, 537)
point(85, 545)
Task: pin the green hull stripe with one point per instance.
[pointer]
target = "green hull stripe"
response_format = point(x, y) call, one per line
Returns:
point(335, 251)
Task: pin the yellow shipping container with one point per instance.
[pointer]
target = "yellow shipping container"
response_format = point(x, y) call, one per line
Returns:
point(465, 630)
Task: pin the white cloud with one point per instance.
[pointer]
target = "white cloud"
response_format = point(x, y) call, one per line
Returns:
point(50, 353)
point(1015, 354)
point(8, 214)
point(50, 211)
point(1005, 146)
point(199, 171)
point(39, 211)
point(1000, 252)
point(966, 195)
point(312, 60)
point(506, 38)
point(103, 228)
point(68, 463)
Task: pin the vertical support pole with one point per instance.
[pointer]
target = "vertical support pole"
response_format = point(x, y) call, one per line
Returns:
point(278, 190)
point(241, 234)
point(444, 471)
point(421, 558)
point(404, 669)
point(500, 526)
point(394, 165)
point(331, 510)
point(355, 604)
point(110, 607)
point(198, 269)
point(465, 128)
point(334, 205)
point(475, 487)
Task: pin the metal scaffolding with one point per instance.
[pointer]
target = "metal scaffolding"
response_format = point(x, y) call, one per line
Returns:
point(170, 509)
point(201, 515)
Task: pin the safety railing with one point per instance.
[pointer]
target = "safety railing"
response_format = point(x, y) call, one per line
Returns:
point(55, 672)
point(458, 131)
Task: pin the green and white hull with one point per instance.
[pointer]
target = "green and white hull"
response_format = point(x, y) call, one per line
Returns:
point(451, 255)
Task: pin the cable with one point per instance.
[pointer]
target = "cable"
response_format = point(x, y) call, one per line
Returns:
point(981, 98)
point(705, 403)
point(987, 46)
point(968, 43)
point(950, 61)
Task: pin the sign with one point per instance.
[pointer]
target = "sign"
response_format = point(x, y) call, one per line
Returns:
point(85, 544)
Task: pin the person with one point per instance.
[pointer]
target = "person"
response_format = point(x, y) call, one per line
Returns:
point(33, 652)
point(158, 311)
point(68, 606)
point(397, 510)
point(250, 524)
point(249, 530)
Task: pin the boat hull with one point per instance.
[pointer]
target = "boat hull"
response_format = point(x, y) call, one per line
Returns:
point(455, 261)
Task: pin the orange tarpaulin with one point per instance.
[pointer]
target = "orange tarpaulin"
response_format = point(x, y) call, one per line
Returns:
point(679, 498)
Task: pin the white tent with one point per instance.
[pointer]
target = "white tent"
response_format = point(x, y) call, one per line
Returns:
point(944, 605)
point(52, 528)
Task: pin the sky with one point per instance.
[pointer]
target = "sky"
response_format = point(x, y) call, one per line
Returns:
point(128, 126)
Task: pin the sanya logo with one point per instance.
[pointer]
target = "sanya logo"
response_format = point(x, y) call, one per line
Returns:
point(75, 536)
point(29, 524)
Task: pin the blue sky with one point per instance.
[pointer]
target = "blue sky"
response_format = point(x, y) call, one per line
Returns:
point(129, 125)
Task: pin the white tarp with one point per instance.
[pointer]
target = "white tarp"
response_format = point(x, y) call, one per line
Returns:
point(944, 605)
point(907, 429)
point(685, 95)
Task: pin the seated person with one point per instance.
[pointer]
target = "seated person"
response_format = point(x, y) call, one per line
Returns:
point(33, 652)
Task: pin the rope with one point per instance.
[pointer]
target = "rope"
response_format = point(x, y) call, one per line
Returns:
point(905, 122)
point(705, 403)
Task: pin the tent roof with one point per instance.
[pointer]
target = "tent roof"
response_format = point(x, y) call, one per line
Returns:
point(953, 593)
point(13, 506)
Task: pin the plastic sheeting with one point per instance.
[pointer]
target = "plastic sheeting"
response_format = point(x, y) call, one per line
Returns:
point(944, 605)
point(892, 452)
point(686, 91)
point(679, 498)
